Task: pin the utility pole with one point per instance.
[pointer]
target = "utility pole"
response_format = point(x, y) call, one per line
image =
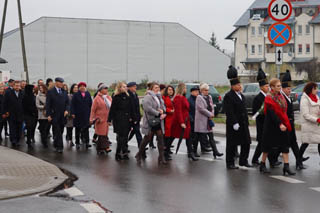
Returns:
point(3, 22)
point(24, 56)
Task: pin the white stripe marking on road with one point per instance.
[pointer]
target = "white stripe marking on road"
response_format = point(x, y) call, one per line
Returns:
point(287, 179)
point(92, 208)
point(73, 192)
point(315, 189)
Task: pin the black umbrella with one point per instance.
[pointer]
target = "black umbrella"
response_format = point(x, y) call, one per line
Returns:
point(181, 136)
point(3, 61)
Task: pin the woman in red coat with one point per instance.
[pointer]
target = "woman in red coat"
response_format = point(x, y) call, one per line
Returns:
point(168, 102)
point(181, 118)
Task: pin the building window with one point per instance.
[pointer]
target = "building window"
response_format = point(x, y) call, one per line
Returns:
point(300, 49)
point(253, 49)
point(260, 49)
point(308, 29)
point(260, 30)
point(299, 29)
point(308, 48)
point(253, 31)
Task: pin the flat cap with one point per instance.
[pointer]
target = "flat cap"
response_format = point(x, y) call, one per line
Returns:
point(131, 84)
point(58, 79)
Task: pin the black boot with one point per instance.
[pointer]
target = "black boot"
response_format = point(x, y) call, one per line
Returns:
point(213, 144)
point(142, 151)
point(299, 165)
point(161, 158)
point(191, 155)
point(167, 150)
point(286, 169)
point(263, 168)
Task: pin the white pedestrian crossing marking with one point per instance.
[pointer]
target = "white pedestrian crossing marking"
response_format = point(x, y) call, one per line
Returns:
point(315, 189)
point(92, 208)
point(73, 192)
point(287, 179)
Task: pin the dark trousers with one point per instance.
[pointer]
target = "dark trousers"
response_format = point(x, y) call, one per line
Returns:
point(15, 128)
point(31, 124)
point(57, 135)
point(2, 126)
point(231, 150)
point(44, 130)
point(82, 133)
point(69, 133)
point(122, 146)
point(136, 129)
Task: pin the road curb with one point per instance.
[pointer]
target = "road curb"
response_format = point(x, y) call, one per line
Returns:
point(22, 174)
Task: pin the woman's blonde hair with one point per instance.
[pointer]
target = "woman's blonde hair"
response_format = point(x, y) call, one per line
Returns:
point(274, 81)
point(117, 91)
point(204, 86)
point(180, 89)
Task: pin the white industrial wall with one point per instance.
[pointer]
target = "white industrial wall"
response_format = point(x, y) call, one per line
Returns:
point(107, 51)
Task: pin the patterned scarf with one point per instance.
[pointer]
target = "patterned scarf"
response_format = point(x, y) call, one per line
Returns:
point(279, 99)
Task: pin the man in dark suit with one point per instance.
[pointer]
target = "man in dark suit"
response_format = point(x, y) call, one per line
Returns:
point(13, 110)
point(286, 91)
point(57, 107)
point(132, 90)
point(237, 125)
point(257, 111)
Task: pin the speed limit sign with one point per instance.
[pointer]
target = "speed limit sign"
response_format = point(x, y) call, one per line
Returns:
point(280, 10)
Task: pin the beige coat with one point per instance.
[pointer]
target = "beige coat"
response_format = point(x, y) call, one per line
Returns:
point(40, 103)
point(310, 112)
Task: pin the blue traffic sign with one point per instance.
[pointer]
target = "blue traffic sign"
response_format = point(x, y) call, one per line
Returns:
point(280, 34)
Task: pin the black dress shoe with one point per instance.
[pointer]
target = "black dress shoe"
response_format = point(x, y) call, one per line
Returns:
point(246, 165)
point(206, 150)
point(276, 164)
point(60, 151)
point(305, 159)
point(88, 146)
point(231, 167)
point(255, 163)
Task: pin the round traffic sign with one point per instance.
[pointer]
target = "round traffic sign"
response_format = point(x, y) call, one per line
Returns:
point(280, 10)
point(280, 34)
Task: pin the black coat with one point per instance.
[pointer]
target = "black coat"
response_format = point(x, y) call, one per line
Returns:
point(121, 113)
point(81, 108)
point(29, 106)
point(192, 110)
point(13, 105)
point(236, 112)
point(136, 105)
point(290, 113)
point(256, 106)
point(1, 106)
point(56, 105)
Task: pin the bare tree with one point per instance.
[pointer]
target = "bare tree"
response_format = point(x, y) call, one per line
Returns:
point(312, 68)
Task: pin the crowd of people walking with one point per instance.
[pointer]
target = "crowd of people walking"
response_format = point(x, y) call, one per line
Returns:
point(164, 112)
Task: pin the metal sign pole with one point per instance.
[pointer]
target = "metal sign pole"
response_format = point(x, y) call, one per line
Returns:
point(22, 43)
point(278, 71)
point(3, 22)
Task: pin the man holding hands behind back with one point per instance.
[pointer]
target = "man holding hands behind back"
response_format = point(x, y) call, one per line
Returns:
point(57, 107)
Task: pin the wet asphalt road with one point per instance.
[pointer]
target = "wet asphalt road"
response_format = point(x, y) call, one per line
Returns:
point(180, 187)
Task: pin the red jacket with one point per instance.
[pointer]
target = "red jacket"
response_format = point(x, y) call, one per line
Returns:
point(170, 112)
point(181, 115)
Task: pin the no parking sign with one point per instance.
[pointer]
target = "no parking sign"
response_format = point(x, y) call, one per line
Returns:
point(280, 33)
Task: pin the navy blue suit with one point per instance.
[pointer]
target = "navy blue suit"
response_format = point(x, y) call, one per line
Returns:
point(56, 105)
point(13, 105)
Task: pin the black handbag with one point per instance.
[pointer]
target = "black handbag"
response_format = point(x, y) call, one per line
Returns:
point(153, 122)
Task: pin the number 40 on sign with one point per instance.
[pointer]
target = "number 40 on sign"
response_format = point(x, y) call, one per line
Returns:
point(280, 10)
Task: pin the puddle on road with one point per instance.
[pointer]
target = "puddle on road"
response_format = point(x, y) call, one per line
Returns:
point(60, 194)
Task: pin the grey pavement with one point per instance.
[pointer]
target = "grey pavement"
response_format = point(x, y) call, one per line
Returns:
point(22, 174)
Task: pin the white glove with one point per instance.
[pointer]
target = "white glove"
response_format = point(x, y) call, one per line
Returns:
point(236, 127)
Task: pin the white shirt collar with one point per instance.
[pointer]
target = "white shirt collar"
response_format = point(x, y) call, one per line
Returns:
point(263, 93)
point(285, 96)
point(239, 95)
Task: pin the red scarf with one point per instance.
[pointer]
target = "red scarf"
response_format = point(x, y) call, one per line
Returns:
point(277, 103)
point(313, 97)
